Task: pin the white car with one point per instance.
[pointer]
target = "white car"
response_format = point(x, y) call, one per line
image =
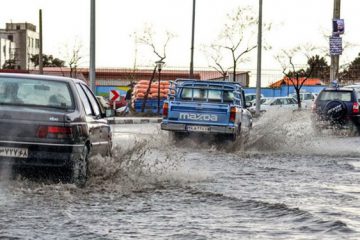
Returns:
point(249, 97)
point(307, 98)
point(277, 102)
point(355, 86)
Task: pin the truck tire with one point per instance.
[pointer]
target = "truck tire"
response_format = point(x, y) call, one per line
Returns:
point(177, 136)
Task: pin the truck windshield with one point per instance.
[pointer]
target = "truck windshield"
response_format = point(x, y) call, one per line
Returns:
point(210, 95)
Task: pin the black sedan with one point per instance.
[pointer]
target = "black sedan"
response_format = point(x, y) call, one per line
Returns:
point(51, 121)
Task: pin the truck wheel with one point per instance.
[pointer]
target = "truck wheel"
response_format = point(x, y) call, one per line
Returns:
point(177, 136)
point(80, 168)
point(233, 137)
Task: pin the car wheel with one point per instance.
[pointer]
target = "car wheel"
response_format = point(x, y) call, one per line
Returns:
point(80, 168)
point(233, 137)
point(354, 130)
point(177, 136)
point(109, 150)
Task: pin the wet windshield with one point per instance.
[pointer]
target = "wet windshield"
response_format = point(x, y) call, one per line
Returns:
point(211, 95)
point(35, 92)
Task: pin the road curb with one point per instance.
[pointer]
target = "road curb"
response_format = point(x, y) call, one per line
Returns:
point(133, 120)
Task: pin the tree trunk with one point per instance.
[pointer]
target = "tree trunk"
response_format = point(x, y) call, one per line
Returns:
point(148, 89)
point(298, 97)
point(234, 72)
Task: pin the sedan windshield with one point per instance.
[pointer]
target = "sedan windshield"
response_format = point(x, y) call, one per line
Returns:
point(35, 92)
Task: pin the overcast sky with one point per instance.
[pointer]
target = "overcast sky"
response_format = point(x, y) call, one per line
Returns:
point(66, 23)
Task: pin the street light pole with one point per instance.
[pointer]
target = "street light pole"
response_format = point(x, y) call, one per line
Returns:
point(258, 75)
point(41, 71)
point(92, 73)
point(159, 65)
point(192, 42)
point(334, 67)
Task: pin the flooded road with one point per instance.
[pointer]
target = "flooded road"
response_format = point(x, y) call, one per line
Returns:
point(287, 184)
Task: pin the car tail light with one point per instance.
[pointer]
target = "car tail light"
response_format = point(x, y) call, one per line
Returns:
point(356, 107)
point(232, 114)
point(54, 132)
point(165, 109)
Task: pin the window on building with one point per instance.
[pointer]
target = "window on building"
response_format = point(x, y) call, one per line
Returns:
point(11, 37)
point(37, 43)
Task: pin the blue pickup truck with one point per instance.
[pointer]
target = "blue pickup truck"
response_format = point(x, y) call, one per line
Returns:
point(209, 107)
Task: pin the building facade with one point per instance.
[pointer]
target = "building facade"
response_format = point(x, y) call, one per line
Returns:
point(7, 51)
point(25, 43)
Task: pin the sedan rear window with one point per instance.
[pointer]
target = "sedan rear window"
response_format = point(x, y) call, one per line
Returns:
point(35, 92)
point(335, 95)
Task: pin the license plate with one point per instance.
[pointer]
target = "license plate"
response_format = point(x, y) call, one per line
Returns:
point(14, 152)
point(198, 129)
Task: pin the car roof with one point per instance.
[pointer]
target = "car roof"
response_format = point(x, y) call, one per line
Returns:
point(281, 97)
point(348, 89)
point(206, 82)
point(353, 86)
point(38, 76)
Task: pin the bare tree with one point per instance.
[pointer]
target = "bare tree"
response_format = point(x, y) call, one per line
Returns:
point(237, 38)
point(72, 57)
point(74, 61)
point(215, 55)
point(147, 38)
point(295, 73)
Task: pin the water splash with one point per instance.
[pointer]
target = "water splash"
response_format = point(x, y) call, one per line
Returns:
point(292, 132)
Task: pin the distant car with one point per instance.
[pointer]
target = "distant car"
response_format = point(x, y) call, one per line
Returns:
point(307, 98)
point(251, 96)
point(354, 86)
point(51, 121)
point(262, 100)
point(275, 103)
point(103, 102)
point(337, 108)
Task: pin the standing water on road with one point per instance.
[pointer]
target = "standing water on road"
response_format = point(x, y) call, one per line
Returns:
point(287, 184)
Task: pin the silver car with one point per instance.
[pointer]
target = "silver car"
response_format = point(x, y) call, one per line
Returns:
point(277, 102)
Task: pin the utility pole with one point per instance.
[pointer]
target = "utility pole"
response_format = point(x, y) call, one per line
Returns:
point(92, 76)
point(334, 67)
point(40, 44)
point(192, 42)
point(259, 47)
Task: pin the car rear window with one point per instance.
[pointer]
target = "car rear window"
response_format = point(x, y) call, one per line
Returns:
point(335, 95)
point(35, 92)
